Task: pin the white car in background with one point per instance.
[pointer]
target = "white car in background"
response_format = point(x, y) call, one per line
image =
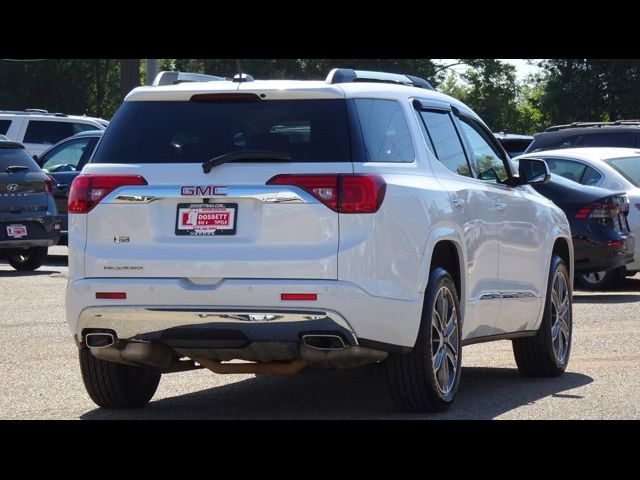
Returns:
point(616, 169)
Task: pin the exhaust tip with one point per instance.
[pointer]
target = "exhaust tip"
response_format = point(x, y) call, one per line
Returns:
point(324, 342)
point(99, 340)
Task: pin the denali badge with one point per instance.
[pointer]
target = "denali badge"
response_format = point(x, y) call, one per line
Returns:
point(203, 190)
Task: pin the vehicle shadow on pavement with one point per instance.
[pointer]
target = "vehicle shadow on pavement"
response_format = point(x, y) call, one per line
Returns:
point(357, 394)
point(57, 260)
point(605, 298)
point(15, 273)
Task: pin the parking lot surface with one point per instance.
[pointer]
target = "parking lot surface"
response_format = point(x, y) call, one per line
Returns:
point(41, 377)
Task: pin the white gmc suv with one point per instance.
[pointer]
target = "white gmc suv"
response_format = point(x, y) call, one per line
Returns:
point(362, 219)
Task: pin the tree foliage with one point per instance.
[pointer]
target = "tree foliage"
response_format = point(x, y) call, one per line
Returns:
point(566, 90)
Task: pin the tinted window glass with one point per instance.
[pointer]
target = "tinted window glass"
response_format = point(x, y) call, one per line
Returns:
point(83, 127)
point(16, 157)
point(446, 142)
point(607, 139)
point(66, 157)
point(184, 132)
point(4, 126)
point(629, 167)
point(385, 131)
point(566, 168)
point(590, 177)
point(488, 161)
point(42, 131)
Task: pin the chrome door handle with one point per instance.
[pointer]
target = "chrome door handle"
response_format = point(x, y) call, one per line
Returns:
point(501, 207)
point(458, 203)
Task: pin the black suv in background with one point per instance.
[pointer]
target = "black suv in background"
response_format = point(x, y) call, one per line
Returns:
point(622, 133)
point(29, 222)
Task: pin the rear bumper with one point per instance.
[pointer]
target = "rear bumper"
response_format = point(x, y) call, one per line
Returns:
point(597, 256)
point(42, 231)
point(234, 312)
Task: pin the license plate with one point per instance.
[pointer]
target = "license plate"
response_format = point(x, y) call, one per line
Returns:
point(200, 219)
point(16, 231)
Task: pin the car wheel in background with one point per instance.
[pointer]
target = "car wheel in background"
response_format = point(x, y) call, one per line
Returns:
point(599, 280)
point(28, 259)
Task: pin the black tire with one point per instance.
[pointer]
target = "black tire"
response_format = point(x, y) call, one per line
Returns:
point(29, 259)
point(536, 356)
point(599, 281)
point(112, 385)
point(411, 377)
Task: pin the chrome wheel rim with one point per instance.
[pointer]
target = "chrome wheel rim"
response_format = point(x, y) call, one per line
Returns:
point(445, 344)
point(594, 277)
point(560, 317)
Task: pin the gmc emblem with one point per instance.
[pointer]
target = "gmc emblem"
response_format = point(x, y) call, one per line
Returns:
point(202, 190)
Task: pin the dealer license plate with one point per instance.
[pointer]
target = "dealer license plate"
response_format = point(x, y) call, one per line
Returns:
point(200, 219)
point(16, 231)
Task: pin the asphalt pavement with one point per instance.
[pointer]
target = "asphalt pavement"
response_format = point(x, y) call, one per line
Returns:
point(41, 377)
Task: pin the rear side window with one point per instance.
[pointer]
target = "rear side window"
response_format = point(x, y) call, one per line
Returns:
point(189, 132)
point(43, 131)
point(4, 126)
point(608, 139)
point(445, 141)
point(566, 168)
point(628, 167)
point(10, 157)
point(384, 130)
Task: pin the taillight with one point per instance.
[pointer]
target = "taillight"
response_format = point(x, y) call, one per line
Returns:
point(342, 193)
point(48, 185)
point(87, 190)
point(599, 211)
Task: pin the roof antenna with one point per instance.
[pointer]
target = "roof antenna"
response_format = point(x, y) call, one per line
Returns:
point(239, 70)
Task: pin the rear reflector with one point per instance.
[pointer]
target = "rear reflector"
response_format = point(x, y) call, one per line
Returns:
point(299, 296)
point(112, 295)
point(48, 183)
point(87, 190)
point(342, 193)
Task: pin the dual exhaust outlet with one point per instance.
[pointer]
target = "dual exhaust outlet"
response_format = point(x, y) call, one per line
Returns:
point(326, 342)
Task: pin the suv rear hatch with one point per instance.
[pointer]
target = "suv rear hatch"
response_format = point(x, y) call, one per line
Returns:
point(229, 223)
point(23, 186)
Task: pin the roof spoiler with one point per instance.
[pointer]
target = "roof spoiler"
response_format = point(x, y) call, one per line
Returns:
point(348, 75)
point(173, 78)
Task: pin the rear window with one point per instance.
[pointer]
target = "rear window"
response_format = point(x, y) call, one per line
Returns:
point(189, 132)
point(10, 157)
point(628, 167)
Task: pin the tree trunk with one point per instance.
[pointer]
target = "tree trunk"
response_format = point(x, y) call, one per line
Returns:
point(129, 75)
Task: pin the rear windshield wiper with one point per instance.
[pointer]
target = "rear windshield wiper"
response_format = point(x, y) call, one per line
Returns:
point(16, 168)
point(245, 155)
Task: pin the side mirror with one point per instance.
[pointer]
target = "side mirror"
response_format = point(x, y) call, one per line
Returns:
point(533, 171)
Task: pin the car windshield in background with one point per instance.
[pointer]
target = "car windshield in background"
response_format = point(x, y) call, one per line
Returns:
point(629, 167)
point(189, 132)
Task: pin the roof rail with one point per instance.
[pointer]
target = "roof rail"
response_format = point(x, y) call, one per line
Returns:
point(555, 128)
point(173, 78)
point(348, 75)
point(35, 110)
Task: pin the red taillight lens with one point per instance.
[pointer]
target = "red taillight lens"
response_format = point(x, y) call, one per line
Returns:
point(323, 187)
point(87, 190)
point(48, 185)
point(343, 193)
point(361, 193)
point(599, 211)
